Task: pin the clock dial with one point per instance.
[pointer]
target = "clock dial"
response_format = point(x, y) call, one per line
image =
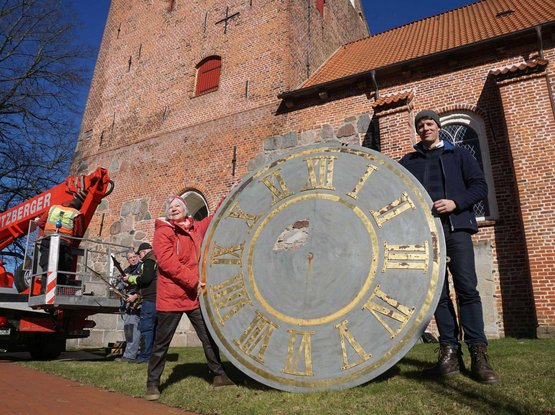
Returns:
point(323, 268)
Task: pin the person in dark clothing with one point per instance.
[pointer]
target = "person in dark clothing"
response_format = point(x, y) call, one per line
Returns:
point(455, 182)
point(129, 313)
point(66, 220)
point(145, 280)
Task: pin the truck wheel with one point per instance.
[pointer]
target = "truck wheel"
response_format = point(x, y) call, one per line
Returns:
point(47, 346)
point(21, 279)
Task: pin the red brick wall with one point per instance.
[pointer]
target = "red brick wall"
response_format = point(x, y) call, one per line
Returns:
point(531, 127)
point(144, 79)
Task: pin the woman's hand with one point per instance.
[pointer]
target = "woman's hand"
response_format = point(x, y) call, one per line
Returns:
point(200, 288)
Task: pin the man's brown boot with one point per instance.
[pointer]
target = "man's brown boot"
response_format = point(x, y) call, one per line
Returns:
point(481, 370)
point(449, 362)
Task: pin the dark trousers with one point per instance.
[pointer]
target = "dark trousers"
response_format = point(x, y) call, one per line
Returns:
point(65, 259)
point(462, 267)
point(167, 324)
point(147, 326)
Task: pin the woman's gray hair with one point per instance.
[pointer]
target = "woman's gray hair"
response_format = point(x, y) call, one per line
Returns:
point(169, 200)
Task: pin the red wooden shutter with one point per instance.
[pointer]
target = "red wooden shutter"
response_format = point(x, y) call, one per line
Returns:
point(208, 75)
point(320, 7)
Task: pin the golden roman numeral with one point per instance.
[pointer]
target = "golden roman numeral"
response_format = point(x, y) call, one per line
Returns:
point(369, 170)
point(229, 296)
point(320, 172)
point(227, 256)
point(380, 305)
point(345, 334)
point(406, 256)
point(237, 212)
point(395, 208)
point(303, 350)
point(276, 185)
point(256, 337)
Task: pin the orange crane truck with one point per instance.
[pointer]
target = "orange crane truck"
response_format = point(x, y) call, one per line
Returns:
point(38, 314)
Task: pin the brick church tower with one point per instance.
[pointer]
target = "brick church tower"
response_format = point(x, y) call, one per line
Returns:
point(185, 92)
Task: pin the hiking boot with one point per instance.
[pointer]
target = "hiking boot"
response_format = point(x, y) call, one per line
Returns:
point(481, 370)
point(221, 381)
point(449, 362)
point(152, 393)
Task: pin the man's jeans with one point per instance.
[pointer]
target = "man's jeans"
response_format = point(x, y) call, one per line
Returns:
point(462, 267)
point(147, 327)
point(132, 335)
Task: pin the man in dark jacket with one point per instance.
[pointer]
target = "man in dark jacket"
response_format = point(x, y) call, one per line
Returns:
point(146, 284)
point(455, 182)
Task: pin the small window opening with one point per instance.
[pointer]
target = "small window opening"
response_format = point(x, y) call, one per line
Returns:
point(320, 7)
point(208, 75)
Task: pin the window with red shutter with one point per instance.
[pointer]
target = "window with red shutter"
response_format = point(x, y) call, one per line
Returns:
point(320, 7)
point(208, 75)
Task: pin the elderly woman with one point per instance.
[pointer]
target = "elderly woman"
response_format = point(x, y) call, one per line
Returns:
point(176, 244)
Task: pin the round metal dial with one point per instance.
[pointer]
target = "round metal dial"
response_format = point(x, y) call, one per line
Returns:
point(323, 268)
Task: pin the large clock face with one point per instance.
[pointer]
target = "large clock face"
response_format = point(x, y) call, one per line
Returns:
point(322, 268)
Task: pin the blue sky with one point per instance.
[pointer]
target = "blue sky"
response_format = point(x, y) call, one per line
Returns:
point(381, 16)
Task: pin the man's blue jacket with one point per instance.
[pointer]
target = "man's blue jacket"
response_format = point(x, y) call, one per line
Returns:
point(464, 181)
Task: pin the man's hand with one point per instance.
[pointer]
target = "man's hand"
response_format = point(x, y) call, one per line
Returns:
point(445, 206)
point(131, 298)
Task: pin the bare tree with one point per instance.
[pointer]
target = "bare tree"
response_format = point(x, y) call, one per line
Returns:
point(41, 70)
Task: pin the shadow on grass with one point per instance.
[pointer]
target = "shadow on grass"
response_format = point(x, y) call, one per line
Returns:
point(200, 370)
point(475, 396)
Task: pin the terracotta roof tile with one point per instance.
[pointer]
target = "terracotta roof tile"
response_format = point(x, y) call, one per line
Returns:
point(519, 67)
point(466, 25)
point(393, 98)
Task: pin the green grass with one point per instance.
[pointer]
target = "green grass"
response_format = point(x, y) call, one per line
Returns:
point(526, 368)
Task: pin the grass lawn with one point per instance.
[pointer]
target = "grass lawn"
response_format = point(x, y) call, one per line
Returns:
point(526, 367)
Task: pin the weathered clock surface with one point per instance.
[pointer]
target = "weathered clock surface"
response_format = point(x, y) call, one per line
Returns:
point(323, 268)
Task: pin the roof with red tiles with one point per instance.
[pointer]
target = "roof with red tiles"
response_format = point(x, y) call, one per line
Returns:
point(483, 20)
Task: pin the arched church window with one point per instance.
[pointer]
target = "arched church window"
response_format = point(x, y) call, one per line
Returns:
point(467, 130)
point(208, 75)
point(196, 204)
